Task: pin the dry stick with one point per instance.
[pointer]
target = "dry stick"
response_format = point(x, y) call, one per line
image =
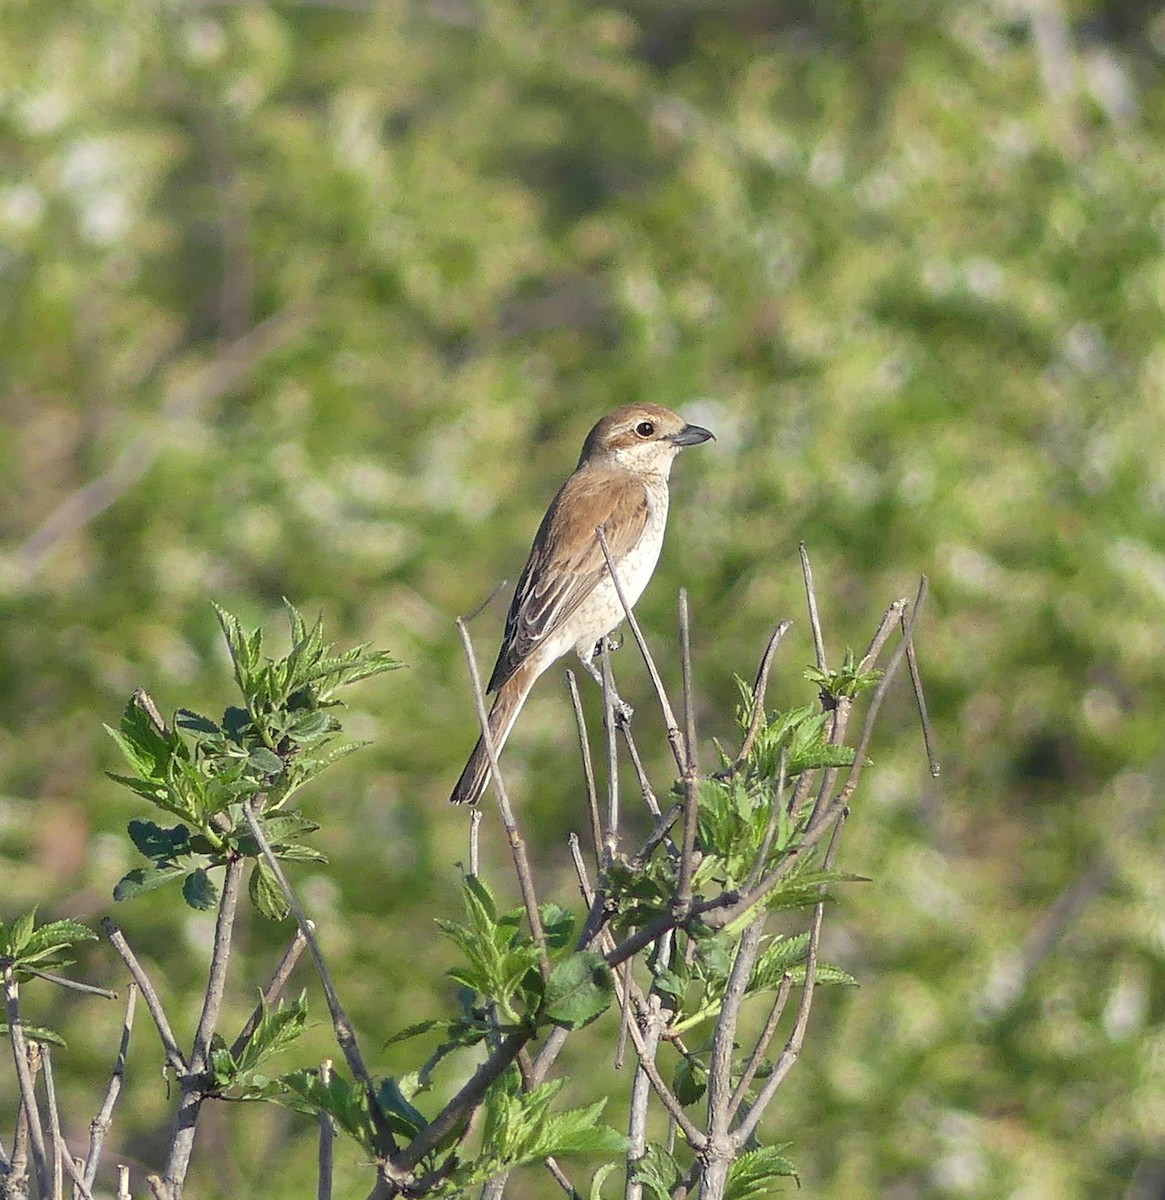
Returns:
point(719, 1152)
point(72, 985)
point(784, 1064)
point(784, 990)
point(559, 1176)
point(683, 897)
point(611, 834)
point(20, 1050)
point(327, 1141)
point(758, 694)
point(775, 810)
point(517, 845)
point(80, 1187)
point(278, 982)
point(123, 1182)
point(345, 1035)
point(475, 842)
point(59, 1150)
point(584, 746)
point(192, 1085)
point(674, 737)
point(718, 912)
point(174, 1057)
point(811, 600)
point(920, 700)
point(99, 1126)
point(843, 705)
point(18, 1169)
point(644, 783)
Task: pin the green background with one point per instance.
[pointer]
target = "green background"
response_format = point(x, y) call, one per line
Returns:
point(906, 259)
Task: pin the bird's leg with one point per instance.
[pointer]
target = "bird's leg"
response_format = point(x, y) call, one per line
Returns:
point(623, 711)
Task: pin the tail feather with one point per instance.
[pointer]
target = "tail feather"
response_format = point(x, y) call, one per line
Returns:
point(475, 777)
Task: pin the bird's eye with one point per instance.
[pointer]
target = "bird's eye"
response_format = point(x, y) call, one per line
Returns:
point(645, 429)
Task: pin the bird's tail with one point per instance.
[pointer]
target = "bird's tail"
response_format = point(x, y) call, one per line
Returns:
point(510, 698)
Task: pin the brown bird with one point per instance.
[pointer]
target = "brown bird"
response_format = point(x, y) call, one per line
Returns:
point(565, 597)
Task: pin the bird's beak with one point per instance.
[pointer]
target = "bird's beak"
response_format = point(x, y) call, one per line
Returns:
point(691, 435)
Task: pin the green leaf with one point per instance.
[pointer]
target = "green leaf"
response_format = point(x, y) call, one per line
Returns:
point(579, 989)
point(37, 1033)
point(19, 933)
point(690, 1081)
point(599, 1178)
point(657, 1171)
point(199, 890)
point(265, 892)
point(145, 879)
point(158, 843)
point(753, 1175)
point(278, 1027)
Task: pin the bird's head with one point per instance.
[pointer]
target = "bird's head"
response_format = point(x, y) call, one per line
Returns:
point(640, 437)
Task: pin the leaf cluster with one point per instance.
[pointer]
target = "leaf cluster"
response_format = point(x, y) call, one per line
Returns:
point(258, 754)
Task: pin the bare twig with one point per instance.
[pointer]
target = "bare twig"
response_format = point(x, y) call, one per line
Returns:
point(271, 992)
point(784, 988)
point(192, 1085)
point(327, 1141)
point(20, 1055)
point(174, 1056)
point(674, 737)
point(559, 1177)
point(690, 767)
point(509, 821)
point(920, 700)
point(123, 1192)
point(72, 985)
point(811, 600)
point(59, 1150)
point(99, 1127)
point(759, 688)
point(345, 1034)
point(475, 841)
point(584, 745)
point(645, 787)
point(611, 833)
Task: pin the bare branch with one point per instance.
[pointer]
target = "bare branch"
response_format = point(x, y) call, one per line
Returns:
point(59, 1149)
point(674, 736)
point(690, 767)
point(811, 600)
point(271, 992)
point(99, 1127)
point(509, 821)
point(327, 1141)
point(584, 745)
point(20, 1055)
point(174, 1056)
point(611, 833)
point(760, 687)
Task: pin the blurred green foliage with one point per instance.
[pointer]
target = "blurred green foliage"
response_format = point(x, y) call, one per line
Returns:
point(906, 260)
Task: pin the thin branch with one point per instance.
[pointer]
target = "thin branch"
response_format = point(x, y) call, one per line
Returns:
point(559, 1177)
point(325, 1158)
point(674, 737)
point(784, 990)
point(99, 1126)
point(192, 1086)
point(20, 1052)
point(584, 745)
point(513, 834)
point(775, 809)
point(920, 700)
point(611, 833)
point(174, 1056)
point(759, 688)
point(724, 1038)
point(475, 841)
point(89, 989)
point(645, 787)
point(811, 600)
point(345, 1034)
point(80, 1187)
point(690, 768)
point(271, 992)
point(59, 1150)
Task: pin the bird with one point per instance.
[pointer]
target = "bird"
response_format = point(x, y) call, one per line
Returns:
point(565, 597)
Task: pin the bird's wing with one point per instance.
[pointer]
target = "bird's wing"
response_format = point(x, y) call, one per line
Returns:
point(566, 561)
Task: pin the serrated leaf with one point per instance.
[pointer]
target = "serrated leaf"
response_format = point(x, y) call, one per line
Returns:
point(657, 1171)
point(37, 1033)
point(690, 1081)
point(412, 1031)
point(579, 989)
point(265, 892)
point(753, 1175)
point(145, 879)
point(199, 890)
point(19, 932)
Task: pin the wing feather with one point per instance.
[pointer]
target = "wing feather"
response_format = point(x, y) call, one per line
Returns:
point(566, 561)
